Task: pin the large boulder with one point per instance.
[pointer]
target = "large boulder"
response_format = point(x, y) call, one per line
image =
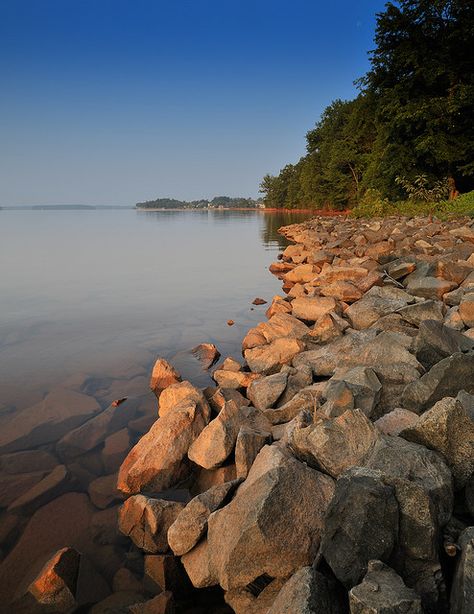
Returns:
point(191, 523)
point(445, 379)
point(265, 391)
point(274, 523)
point(364, 385)
point(306, 592)
point(436, 341)
point(361, 524)
point(312, 308)
point(60, 411)
point(158, 460)
point(377, 302)
point(383, 591)
point(172, 396)
point(462, 591)
point(332, 446)
point(146, 521)
point(268, 359)
point(424, 310)
point(447, 428)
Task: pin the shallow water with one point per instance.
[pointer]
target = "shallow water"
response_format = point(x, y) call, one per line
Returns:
point(103, 292)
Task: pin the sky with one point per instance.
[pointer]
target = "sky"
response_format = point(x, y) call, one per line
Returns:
point(110, 102)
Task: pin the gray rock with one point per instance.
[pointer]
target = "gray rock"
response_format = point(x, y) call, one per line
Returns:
point(297, 380)
point(335, 445)
point(436, 341)
point(445, 379)
point(191, 523)
point(306, 592)
point(377, 302)
point(273, 524)
point(361, 524)
point(462, 591)
point(425, 310)
point(382, 591)
point(249, 443)
point(447, 428)
point(365, 386)
point(265, 392)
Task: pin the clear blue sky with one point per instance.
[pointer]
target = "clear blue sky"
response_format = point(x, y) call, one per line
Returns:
point(115, 101)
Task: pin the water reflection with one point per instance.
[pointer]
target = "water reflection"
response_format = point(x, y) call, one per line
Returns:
point(103, 292)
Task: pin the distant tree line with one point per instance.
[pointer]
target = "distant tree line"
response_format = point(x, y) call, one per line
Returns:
point(414, 116)
point(226, 202)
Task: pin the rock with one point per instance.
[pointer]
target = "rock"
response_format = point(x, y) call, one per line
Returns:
point(342, 291)
point(326, 359)
point(27, 462)
point(306, 592)
point(330, 274)
point(311, 309)
point(447, 428)
point(116, 448)
point(453, 319)
point(230, 364)
point(222, 395)
point(303, 273)
point(13, 486)
point(445, 379)
point(307, 399)
point(259, 301)
point(146, 521)
point(207, 478)
point(126, 580)
point(162, 376)
point(55, 483)
point(153, 464)
point(436, 341)
point(207, 354)
point(191, 523)
point(65, 582)
point(278, 305)
point(466, 310)
point(163, 572)
point(397, 269)
point(269, 358)
point(234, 379)
point(174, 394)
point(198, 566)
point(265, 392)
point(161, 604)
point(217, 440)
point(364, 385)
point(93, 432)
point(425, 310)
point(335, 445)
point(249, 601)
point(103, 491)
point(396, 421)
point(462, 592)
point(117, 603)
point(382, 590)
point(104, 527)
point(65, 520)
point(273, 524)
point(297, 380)
point(430, 287)
point(249, 443)
point(47, 421)
point(282, 325)
point(377, 302)
point(361, 524)
point(423, 488)
point(339, 398)
point(326, 328)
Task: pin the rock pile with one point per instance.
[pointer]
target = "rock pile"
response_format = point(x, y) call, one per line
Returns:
point(331, 472)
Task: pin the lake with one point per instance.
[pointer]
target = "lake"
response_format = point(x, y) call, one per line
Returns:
point(104, 292)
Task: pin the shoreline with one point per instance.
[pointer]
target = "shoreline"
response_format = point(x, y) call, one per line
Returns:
point(377, 316)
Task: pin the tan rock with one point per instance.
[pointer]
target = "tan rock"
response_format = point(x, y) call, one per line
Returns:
point(269, 358)
point(396, 421)
point(265, 391)
point(158, 460)
point(342, 291)
point(207, 354)
point(172, 396)
point(466, 310)
point(234, 379)
point(302, 274)
point(146, 521)
point(162, 376)
point(311, 309)
point(335, 445)
point(103, 491)
point(116, 448)
point(199, 567)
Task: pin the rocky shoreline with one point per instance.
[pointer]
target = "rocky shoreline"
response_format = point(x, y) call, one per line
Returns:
point(330, 471)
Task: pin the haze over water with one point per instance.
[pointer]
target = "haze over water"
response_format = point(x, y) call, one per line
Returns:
point(104, 292)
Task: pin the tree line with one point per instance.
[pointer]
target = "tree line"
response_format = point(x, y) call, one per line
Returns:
point(411, 125)
point(226, 202)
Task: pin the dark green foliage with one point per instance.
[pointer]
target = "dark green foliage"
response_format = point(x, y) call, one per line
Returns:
point(414, 116)
point(226, 202)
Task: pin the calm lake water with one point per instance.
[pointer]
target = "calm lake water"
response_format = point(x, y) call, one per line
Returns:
point(104, 292)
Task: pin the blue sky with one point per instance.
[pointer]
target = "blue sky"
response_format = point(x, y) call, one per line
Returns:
point(116, 101)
